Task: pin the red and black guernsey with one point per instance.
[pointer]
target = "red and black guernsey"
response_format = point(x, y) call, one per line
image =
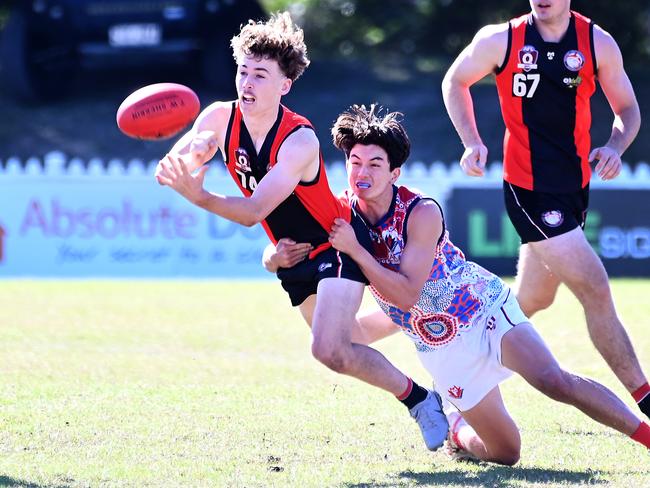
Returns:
point(308, 213)
point(544, 90)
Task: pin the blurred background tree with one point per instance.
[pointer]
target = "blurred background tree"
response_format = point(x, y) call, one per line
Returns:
point(426, 34)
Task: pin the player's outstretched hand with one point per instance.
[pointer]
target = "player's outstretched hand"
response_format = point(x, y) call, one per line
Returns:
point(609, 162)
point(474, 159)
point(172, 171)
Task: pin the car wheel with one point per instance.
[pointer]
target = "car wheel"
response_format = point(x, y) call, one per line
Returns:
point(35, 65)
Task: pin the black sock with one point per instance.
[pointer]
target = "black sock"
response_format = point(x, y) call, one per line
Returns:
point(644, 405)
point(642, 397)
point(415, 396)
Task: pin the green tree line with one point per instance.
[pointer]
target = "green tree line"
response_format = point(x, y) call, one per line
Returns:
point(426, 34)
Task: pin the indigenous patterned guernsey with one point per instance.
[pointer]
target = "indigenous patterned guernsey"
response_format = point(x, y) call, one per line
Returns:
point(457, 294)
point(308, 213)
point(544, 89)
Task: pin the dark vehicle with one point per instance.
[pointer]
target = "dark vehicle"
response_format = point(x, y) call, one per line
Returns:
point(45, 42)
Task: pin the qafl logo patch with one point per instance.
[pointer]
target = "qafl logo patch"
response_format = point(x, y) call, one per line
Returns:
point(527, 58)
point(553, 218)
point(574, 60)
point(242, 162)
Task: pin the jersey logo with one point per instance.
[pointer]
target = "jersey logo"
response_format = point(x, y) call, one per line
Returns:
point(553, 218)
point(242, 161)
point(491, 323)
point(323, 266)
point(455, 392)
point(574, 60)
point(527, 58)
point(550, 55)
point(572, 82)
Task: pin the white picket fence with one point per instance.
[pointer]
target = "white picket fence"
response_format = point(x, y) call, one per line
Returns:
point(57, 164)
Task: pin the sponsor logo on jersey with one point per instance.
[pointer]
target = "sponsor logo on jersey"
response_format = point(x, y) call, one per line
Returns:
point(574, 60)
point(456, 392)
point(553, 218)
point(550, 55)
point(243, 162)
point(572, 82)
point(323, 266)
point(527, 58)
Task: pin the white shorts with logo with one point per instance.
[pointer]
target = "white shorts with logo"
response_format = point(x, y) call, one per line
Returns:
point(469, 367)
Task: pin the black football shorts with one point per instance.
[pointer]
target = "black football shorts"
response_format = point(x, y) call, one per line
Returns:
point(301, 280)
point(539, 215)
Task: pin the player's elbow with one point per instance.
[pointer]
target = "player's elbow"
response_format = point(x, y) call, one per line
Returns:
point(249, 221)
point(254, 215)
point(408, 301)
point(450, 82)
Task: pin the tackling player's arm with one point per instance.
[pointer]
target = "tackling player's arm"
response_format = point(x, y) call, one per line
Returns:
point(285, 254)
point(404, 286)
point(620, 95)
point(481, 57)
point(298, 159)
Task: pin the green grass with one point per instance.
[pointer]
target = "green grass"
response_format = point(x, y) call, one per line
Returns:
point(208, 383)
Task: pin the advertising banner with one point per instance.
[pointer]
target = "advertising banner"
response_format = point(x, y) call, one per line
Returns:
point(618, 228)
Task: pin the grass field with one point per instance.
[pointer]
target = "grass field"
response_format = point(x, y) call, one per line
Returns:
point(208, 383)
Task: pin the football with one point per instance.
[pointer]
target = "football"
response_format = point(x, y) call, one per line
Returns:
point(157, 111)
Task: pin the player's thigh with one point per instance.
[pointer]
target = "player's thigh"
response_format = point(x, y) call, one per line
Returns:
point(373, 326)
point(571, 258)
point(493, 424)
point(307, 309)
point(524, 351)
point(337, 302)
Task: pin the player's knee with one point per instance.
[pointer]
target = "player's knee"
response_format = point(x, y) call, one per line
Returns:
point(509, 456)
point(332, 357)
point(532, 303)
point(593, 289)
point(506, 450)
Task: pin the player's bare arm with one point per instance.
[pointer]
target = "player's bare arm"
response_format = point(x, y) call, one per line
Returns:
point(402, 287)
point(199, 145)
point(297, 159)
point(286, 254)
point(481, 57)
point(620, 95)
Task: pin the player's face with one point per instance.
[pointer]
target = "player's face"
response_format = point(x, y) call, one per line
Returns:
point(369, 173)
point(260, 84)
point(550, 10)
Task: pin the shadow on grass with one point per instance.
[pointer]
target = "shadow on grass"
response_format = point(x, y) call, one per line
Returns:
point(8, 481)
point(493, 476)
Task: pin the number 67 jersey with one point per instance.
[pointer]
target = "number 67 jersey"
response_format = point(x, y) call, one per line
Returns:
point(544, 90)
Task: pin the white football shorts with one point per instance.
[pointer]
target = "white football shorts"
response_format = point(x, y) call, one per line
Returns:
point(469, 367)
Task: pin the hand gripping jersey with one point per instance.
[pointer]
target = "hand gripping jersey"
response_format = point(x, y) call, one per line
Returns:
point(544, 90)
point(457, 293)
point(308, 213)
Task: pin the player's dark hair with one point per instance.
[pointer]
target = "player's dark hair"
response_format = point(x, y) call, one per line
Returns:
point(278, 39)
point(360, 125)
